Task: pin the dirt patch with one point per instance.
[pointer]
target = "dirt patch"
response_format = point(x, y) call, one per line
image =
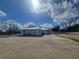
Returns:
point(47, 47)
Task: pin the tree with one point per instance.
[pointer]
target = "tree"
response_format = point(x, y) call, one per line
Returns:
point(2, 27)
point(11, 27)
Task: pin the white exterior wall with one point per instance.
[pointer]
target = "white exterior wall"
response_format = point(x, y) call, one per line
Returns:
point(46, 31)
point(35, 32)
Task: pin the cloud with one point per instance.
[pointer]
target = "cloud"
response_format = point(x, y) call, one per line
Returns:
point(64, 11)
point(77, 21)
point(60, 12)
point(76, 1)
point(46, 25)
point(45, 8)
point(2, 13)
point(29, 25)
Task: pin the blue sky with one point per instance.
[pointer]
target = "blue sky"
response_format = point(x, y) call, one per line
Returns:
point(56, 12)
point(21, 11)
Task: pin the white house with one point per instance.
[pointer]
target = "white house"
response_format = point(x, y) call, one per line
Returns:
point(35, 31)
point(46, 31)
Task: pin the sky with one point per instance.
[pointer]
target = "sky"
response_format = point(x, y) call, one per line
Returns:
point(55, 12)
point(22, 11)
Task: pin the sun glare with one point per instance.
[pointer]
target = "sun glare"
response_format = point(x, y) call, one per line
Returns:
point(35, 4)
